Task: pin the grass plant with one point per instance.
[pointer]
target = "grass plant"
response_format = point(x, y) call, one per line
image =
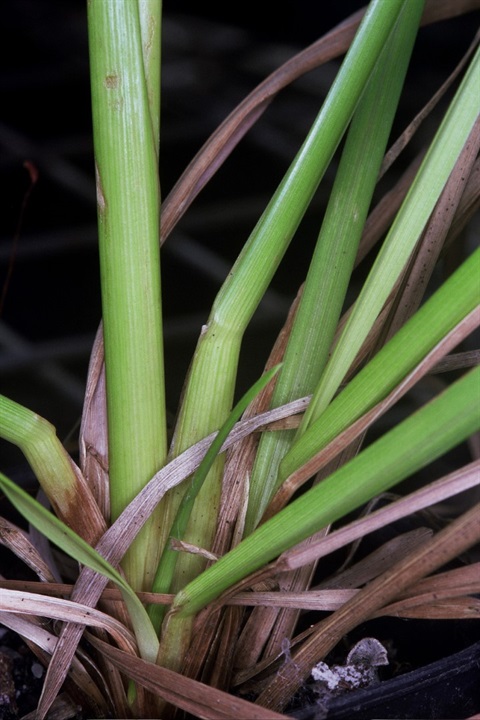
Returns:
point(245, 493)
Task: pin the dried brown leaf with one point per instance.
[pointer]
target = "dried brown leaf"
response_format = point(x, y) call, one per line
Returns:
point(410, 131)
point(450, 583)
point(18, 602)
point(256, 630)
point(435, 492)
point(18, 542)
point(377, 561)
point(447, 585)
point(458, 361)
point(426, 606)
point(219, 676)
point(42, 643)
point(93, 437)
point(190, 695)
point(432, 608)
point(461, 534)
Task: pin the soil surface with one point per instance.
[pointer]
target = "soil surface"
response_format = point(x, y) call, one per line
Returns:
point(21, 677)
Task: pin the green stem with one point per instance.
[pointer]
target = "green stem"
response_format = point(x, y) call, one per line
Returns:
point(216, 357)
point(57, 474)
point(403, 236)
point(453, 301)
point(333, 260)
point(125, 117)
point(168, 561)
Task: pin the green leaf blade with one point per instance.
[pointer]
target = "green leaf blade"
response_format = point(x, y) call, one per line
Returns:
point(71, 543)
point(333, 260)
point(430, 432)
point(453, 301)
point(405, 231)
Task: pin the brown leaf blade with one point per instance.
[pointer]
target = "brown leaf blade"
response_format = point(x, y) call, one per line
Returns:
point(190, 695)
point(447, 544)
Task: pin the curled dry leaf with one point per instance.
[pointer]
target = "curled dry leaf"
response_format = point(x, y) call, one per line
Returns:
point(18, 542)
point(18, 602)
point(182, 546)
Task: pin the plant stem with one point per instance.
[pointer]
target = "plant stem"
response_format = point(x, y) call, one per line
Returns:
point(59, 477)
point(449, 305)
point(166, 567)
point(215, 362)
point(125, 124)
point(404, 233)
point(328, 277)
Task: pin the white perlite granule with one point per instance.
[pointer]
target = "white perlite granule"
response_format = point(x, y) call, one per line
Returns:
point(360, 669)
